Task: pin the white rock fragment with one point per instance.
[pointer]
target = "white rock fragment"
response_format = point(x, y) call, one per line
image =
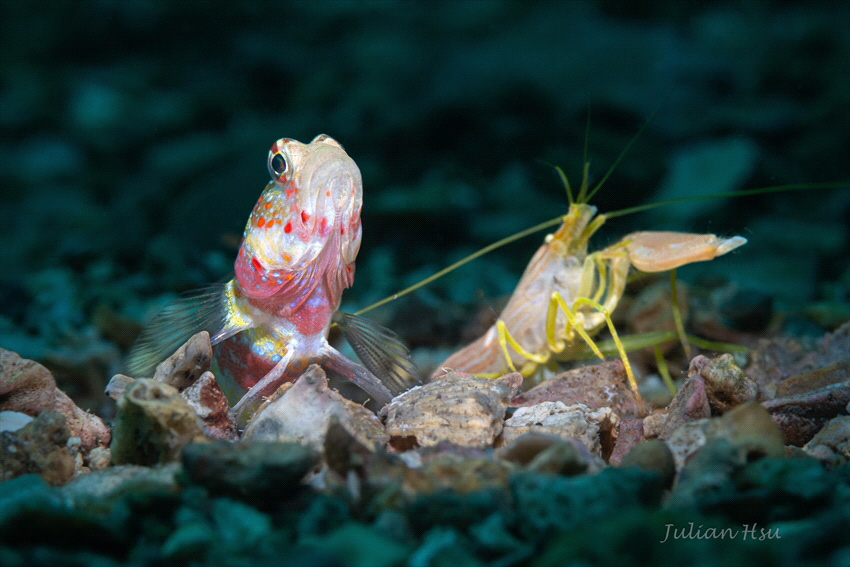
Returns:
point(556, 418)
point(303, 412)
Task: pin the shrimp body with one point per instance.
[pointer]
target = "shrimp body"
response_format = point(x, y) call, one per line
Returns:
point(566, 294)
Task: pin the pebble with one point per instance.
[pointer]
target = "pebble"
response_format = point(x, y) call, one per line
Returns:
point(257, 471)
point(596, 386)
point(589, 426)
point(304, 410)
point(652, 455)
point(153, 424)
point(457, 408)
point(726, 385)
point(40, 447)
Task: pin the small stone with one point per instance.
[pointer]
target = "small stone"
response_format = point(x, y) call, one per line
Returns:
point(834, 436)
point(91, 430)
point(814, 380)
point(303, 412)
point(209, 402)
point(686, 440)
point(726, 385)
point(525, 448)
point(457, 408)
point(561, 458)
point(596, 429)
point(258, 471)
point(707, 473)
point(153, 423)
point(653, 424)
point(39, 447)
point(550, 454)
point(690, 402)
point(747, 428)
point(98, 458)
point(596, 386)
point(801, 416)
point(629, 435)
point(25, 385)
point(117, 384)
point(462, 474)
point(28, 387)
point(750, 428)
point(99, 491)
point(652, 455)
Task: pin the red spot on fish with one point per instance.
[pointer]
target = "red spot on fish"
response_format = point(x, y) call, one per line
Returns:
point(342, 230)
point(256, 264)
point(288, 228)
point(304, 217)
point(323, 224)
point(261, 222)
point(290, 192)
point(268, 205)
point(327, 193)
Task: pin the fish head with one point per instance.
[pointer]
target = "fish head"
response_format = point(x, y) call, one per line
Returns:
point(309, 212)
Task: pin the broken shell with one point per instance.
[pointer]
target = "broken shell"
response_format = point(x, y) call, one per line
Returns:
point(457, 408)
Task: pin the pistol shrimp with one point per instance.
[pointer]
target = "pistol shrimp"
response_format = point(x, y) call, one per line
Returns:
point(566, 294)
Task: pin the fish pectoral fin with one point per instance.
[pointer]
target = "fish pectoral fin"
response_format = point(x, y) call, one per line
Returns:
point(200, 310)
point(380, 351)
point(357, 374)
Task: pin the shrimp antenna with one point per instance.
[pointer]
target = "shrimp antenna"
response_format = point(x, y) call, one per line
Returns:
point(583, 197)
point(498, 244)
point(619, 157)
point(557, 220)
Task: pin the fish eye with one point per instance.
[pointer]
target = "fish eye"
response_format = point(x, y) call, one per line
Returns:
point(277, 164)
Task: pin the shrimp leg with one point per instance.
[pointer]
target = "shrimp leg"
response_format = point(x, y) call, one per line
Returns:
point(596, 293)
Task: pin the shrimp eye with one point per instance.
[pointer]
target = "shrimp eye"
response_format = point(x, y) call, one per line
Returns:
point(277, 165)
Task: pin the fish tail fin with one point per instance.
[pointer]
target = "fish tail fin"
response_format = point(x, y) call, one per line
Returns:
point(199, 310)
point(380, 351)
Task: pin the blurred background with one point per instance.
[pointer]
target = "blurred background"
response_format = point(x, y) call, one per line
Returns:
point(134, 137)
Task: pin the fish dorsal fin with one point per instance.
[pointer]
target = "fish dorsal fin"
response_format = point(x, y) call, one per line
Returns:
point(380, 351)
point(200, 310)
